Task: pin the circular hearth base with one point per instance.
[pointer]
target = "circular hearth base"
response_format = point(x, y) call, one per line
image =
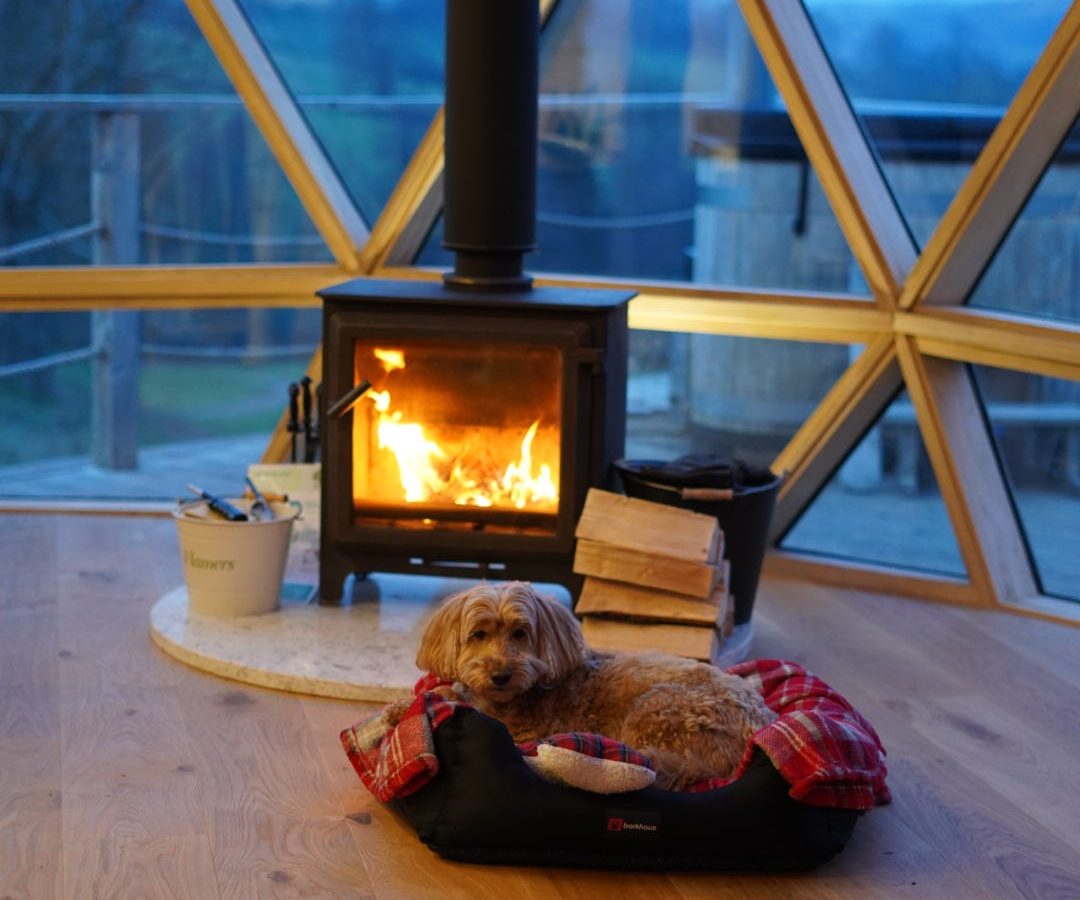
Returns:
point(364, 651)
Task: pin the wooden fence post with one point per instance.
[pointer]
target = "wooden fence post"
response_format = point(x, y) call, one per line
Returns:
point(114, 188)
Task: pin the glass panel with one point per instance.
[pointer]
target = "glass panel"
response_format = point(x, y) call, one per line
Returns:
point(137, 404)
point(741, 397)
point(930, 81)
point(447, 428)
point(666, 153)
point(368, 74)
point(883, 505)
point(135, 148)
point(1036, 270)
point(1036, 423)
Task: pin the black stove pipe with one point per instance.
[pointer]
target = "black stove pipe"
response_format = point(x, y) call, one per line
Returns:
point(489, 182)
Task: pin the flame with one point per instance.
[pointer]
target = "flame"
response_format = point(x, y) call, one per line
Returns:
point(429, 473)
point(518, 481)
point(391, 359)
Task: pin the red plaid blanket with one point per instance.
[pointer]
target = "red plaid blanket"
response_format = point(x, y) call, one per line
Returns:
point(826, 751)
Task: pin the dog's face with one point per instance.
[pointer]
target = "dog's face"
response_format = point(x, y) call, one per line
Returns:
point(500, 640)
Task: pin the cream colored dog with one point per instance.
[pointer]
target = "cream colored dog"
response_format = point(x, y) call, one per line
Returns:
point(520, 657)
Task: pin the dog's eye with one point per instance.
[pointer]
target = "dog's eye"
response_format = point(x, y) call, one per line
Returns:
point(478, 635)
point(519, 634)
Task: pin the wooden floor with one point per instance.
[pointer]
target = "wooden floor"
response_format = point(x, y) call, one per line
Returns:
point(124, 773)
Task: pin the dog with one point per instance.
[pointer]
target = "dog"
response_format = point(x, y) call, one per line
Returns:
point(521, 658)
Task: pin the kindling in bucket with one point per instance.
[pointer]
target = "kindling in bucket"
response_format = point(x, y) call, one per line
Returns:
point(234, 566)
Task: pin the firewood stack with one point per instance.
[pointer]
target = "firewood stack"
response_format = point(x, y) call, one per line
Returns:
point(655, 579)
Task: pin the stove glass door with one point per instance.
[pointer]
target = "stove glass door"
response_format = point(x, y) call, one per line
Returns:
point(456, 434)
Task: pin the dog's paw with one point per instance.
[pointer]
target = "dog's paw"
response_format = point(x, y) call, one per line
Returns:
point(393, 712)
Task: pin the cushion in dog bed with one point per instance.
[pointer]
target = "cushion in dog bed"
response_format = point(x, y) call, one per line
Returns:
point(460, 781)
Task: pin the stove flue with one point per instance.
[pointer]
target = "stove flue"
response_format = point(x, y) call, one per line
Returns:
point(491, 139)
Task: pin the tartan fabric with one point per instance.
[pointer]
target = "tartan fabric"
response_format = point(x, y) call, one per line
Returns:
point(826, 751)
point(397, 760)
point(820, 744)
point(587, 744)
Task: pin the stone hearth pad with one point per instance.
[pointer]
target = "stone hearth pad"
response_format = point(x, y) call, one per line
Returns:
point(363, 651)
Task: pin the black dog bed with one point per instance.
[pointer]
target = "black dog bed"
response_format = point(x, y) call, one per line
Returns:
point(466, 789)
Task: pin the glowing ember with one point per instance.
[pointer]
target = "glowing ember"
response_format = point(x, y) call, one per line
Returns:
point(429, 473)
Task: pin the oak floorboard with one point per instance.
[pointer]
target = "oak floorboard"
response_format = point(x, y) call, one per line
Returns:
point(271, 813)
point(1031, 772)
point(941, 793)
point(1053, 650)
point(128, 773)
point(30, 782)
point(132, 815)
point(31, 839)
point(1037, 686)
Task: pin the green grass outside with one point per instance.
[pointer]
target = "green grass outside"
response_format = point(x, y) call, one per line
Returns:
point(50, 416)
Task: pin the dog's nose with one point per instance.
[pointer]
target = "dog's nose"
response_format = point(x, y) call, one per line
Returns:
point(500, 679)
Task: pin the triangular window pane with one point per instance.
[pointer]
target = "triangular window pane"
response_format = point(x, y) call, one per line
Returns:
point(883, 504)
point(1036, 270)
point(1036, 424)
point(741, 397)
point(666, 153)
point(127, 100)
point(930, 81)
point(368, 76)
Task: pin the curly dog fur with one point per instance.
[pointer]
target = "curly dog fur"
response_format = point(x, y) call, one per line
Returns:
point(520, 657)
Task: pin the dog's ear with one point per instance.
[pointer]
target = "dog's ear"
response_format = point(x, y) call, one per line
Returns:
point(560, 643)
point(440, 644)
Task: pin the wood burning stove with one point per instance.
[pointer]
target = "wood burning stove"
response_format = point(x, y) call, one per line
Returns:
point(488, 418)
point(492, 407)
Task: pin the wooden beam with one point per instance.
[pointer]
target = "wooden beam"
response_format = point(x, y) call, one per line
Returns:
point(793, 320)
point(961, 352)
point(961, 450)
point(660, 306)
point(1003, 176)
point(834, 143)
point(869, 577)
point(61, 289)
point(834, 429)
point(1049, 609)
point(886, 580)
point(1010, 341)
point(283, 125)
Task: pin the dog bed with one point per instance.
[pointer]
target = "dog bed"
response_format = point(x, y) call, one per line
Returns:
point(472, 794)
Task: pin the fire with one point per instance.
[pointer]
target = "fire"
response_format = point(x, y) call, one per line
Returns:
point(430, 473)
point(391, 359)
point(518, 481)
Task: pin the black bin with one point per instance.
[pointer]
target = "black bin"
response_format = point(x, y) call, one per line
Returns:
point(745, 512)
